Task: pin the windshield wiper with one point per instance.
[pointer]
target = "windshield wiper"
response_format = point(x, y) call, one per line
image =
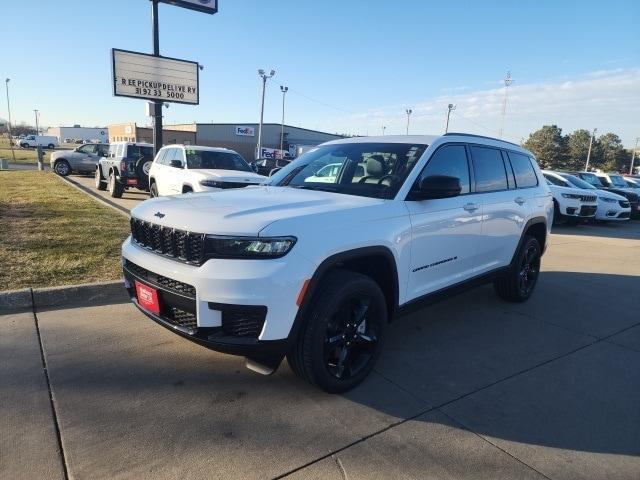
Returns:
point(325, 188)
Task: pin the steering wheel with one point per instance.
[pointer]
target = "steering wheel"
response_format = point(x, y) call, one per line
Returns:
point(388, 175)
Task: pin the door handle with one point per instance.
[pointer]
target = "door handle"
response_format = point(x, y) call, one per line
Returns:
point(470, 207)
point(519, 200)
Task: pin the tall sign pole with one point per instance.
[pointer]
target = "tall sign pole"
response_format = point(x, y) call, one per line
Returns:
point(157, 104)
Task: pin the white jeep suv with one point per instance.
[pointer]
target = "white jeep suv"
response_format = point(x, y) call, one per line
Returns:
point(314, 271)
point(570, 205)
point(190, 168)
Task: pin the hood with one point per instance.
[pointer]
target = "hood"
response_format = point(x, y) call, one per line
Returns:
point(226, 175)
point(609, 194)
point(627, 193)
point(244, 211)
point(557, 190)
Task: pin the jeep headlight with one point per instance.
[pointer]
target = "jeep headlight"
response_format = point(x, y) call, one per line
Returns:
point(247, 247)
point(575, 196)
point(608, 200)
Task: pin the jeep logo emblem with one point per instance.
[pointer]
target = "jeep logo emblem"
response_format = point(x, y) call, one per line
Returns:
point(159, 215)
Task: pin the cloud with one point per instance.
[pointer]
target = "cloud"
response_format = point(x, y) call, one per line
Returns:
point(606, 99)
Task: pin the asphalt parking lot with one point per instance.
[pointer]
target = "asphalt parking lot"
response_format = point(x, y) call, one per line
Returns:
point(469, 388)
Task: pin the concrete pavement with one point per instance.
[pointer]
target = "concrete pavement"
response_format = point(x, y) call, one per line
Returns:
point(472, 387)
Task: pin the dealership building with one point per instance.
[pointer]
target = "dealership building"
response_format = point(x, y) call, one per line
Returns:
point(79, 133)
point(241, 137)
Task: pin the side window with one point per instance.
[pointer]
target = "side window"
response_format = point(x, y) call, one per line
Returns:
point(489, 170)
point(112, 150)
point(120, 151)
point(450, 160)
point(103, 150)
point(160, 157)
point(523, 170)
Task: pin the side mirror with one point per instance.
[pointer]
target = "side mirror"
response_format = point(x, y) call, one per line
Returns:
point(175, 163)
point(436, 186)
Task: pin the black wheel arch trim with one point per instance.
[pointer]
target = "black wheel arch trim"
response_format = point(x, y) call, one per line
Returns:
point(531, 222)
point(335, 261)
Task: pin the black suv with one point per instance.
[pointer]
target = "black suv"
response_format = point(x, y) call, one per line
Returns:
point(126, 166)
point(264, 166)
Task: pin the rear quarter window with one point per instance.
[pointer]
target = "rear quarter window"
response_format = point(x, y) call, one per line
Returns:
point(523, 170)
point(488, 167)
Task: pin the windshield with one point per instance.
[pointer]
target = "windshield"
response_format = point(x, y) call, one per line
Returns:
point(618, 181)
point(216, 160)
point(592, 179)
point(632, 183)
point(375, 170)
point(576, 182)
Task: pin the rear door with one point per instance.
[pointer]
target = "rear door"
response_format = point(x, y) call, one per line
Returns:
point(444, 231)
point(504, 207)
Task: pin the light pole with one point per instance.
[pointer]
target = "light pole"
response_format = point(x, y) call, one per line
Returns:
point(284, 91)
point(593, 134)
point(383, 129)
point(37, 127)
point(265, 77)
point(409, 112)
point(13, 154)
point(450, 108)
point(633, 156)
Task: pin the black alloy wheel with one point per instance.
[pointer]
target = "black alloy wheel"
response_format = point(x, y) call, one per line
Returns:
point(529, 269)
point(351, 338)
point(343, 332)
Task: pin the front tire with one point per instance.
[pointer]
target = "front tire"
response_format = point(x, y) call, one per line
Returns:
point(343, 334)
point(100, 183)
point(518, 284)
point(62, 168)
point(51, 146)
point(115, 187)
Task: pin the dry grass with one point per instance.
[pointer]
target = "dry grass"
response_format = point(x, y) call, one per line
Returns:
point(23, 155)
point(51, 234)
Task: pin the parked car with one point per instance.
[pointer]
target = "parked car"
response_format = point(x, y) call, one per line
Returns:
point(602, 183)
point(611, 207)
point(183, 169)
point(32, 141)
point(570, 205)
point(633, 183)
point(264, 166)
point(314, 271)
point(82, 159)
point(126, 165)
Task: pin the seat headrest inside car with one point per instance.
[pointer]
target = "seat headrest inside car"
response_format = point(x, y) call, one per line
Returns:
point(376, 166)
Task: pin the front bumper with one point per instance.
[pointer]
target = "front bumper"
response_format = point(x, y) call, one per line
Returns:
point(241, 307)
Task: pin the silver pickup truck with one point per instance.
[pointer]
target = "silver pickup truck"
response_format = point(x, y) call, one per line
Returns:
point(82, 159)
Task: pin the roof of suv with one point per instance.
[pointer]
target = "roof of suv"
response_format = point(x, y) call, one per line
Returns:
point(421, 139)
point(199, 147)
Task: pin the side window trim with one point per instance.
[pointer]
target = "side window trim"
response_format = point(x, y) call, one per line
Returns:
point(531, 164)
point(511, 176)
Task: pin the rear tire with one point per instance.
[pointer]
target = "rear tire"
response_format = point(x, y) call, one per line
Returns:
point(100, 183)
point(342, 337)
point(115, 187)
point(518, 284)
point(62, 168)
point(51, 146)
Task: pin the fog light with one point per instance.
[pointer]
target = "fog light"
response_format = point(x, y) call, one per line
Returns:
point(571, 211)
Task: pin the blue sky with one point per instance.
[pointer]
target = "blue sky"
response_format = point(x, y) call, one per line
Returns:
point(351, 66)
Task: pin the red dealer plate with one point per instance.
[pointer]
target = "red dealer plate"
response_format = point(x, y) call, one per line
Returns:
point(147, 298)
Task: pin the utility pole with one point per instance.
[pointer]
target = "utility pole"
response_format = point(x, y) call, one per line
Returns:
point(157, 104)
point(264, 77)
point(383, 129)
point(409, 112)
point(284, 91)
point(13, 154)
point(633, 156)
point(451, 107)
point(507, 83)
point(593, 134)
point(37, 127)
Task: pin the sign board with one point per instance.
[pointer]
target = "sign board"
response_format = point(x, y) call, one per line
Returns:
point(205, 6)
point(140, 75)
point(272, 153)
point(245, 131)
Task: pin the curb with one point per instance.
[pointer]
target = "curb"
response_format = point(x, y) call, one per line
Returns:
point(85, 190)
point(88, 294)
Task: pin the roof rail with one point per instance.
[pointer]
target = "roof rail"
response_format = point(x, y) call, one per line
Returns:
point(482, 136)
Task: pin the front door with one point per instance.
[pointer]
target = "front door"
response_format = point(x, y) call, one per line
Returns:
point(444, 232)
